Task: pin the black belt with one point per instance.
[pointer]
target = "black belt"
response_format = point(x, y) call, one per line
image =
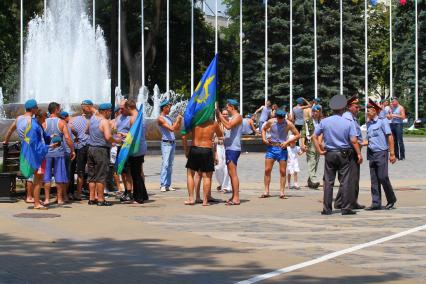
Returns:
point(169, 141)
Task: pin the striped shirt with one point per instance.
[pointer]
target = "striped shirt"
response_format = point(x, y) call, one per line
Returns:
point(79, 124)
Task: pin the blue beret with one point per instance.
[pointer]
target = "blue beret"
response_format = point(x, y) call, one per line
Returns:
point(165, 103)
point(316, 107)
point(105, 106)
point(318, 100)
point(87, 103)
point(280, 113)
point(30, 104)
point(64, 114)
point(300, 100)
point(232, 102)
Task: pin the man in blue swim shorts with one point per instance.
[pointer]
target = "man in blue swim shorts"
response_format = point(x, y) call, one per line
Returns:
point(278, 129)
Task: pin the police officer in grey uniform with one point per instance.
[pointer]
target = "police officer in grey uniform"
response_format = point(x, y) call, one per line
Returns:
point(352, 115)
point(340, 143)
point(380, 149)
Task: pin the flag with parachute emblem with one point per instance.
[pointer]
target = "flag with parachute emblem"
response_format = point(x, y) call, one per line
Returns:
point(200, 107)
point(33, 149)
point(131, 143)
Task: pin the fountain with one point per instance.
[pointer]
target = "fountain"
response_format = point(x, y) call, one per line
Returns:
point(66, 61)
point(65, 56)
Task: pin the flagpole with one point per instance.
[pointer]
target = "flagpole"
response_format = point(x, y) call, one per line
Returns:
point(192, 47)
point(168, 50)
point(390, 51)
point(143, 43)
point(366, 56)
point(416, 66)
point(341, 47)
point(21, 79)
point(119, 45)
point(241, 57)
point(315, 49)
point(94, 14)
point(45, 8)
point(266, 51)
point(215, 30)
point(291, 55)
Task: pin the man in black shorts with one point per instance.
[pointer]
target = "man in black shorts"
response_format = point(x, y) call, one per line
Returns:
point(201, 158)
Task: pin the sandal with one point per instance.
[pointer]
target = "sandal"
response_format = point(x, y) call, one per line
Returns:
point(264, 195)
point(283, 196)
point(41, 207)
point(190, 203)
point(232, 203)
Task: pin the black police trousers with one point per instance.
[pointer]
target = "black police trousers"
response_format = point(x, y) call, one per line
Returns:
point(380, 177)
point(353, 181)
point(341, 163)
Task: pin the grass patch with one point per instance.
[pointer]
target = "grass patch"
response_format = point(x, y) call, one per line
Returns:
point(418, 132)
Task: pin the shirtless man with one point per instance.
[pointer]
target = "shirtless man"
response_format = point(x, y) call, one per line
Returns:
point(277, 148)
point(201, 158)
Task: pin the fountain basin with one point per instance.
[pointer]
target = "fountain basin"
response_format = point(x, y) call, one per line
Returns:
point(13, 110)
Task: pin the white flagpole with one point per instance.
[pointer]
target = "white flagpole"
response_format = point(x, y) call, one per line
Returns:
point(291, 55)
point(192, 47)
point(315, 49)
point(119, 45)
point(266, 51)
point(143, 44)
point(45, 8)
point(168, 50)
point(241, 57)
point(94, 14)
point(341, 47)
point(215, 30)
point(417, 67)
point(366, 55)
point(21, 79)
point(390, 51)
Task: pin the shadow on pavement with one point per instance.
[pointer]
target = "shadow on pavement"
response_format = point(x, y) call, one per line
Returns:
point(106, 260)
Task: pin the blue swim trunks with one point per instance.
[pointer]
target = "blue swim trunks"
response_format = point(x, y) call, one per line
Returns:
point(55, 166)
point(232, 156)
point(276, 153)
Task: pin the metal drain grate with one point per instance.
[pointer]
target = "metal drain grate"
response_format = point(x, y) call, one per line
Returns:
point(36, 215)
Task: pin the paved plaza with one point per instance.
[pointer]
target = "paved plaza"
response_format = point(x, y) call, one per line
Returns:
point(164, 241)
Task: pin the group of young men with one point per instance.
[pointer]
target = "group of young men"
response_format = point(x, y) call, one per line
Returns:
point(82, 145)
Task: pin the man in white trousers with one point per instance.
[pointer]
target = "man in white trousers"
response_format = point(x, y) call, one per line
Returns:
point(221, 170)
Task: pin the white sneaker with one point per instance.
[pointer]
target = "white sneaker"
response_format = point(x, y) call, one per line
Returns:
point(171, 188)
point(163, 189)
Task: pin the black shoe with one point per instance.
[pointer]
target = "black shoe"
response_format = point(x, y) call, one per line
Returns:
point(92, 202)
point(348, 212)
point(104, 203)
point(326, 212)
point(390, 205)
point(125, 198)
point(373, 207)
point(358, 206)
point(315, 185)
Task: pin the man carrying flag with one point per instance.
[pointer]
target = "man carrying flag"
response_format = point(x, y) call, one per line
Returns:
point(199, 121)
point(33, 149)
point(134, 150)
